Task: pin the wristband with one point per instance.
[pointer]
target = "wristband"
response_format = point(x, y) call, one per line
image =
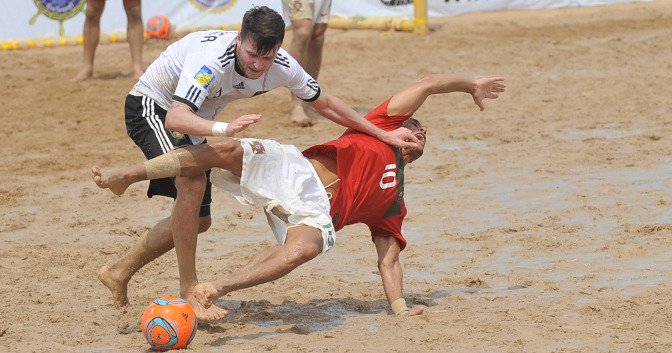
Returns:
point(219, 128)
point(399, 306)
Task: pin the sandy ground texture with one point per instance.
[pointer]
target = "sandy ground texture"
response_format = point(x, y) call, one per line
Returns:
point(543, 224)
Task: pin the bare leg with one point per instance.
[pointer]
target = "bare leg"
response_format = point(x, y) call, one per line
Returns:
point(135, 34)
point(303, 244)
point(314, 61)
point(193, 161)
point(91, 36)
point(157, 242)
point(314, 50)
point(184, 223)
point(301, 36)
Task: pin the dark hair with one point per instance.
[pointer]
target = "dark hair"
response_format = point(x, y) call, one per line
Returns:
point(412, 124)
point(265, 27)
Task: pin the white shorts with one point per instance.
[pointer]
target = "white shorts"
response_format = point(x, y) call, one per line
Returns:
point(279, 179)
point(317, 11)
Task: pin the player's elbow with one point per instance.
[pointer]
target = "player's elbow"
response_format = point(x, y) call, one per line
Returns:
point(429, 83)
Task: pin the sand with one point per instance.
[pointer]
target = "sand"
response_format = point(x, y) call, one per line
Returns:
point(542, 224)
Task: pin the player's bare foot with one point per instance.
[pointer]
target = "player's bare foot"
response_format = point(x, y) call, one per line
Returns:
point(418, 310)
point(299, 117)
point(203, 313)
point(117, 286)
point(83, 74)
point(114, 180)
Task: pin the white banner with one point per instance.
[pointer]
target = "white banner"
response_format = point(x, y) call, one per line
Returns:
point(442, 8)
point(31, 19)
point(35, 19)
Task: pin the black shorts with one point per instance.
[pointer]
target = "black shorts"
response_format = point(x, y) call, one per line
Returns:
point(145, 125)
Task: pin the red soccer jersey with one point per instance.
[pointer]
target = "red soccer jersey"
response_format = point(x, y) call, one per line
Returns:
point(371, 173)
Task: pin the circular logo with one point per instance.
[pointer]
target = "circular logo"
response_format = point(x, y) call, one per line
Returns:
point(177, 135)
point(214, 6)
point(59, 9)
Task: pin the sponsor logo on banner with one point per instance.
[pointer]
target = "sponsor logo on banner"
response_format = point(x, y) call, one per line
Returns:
point(59, 10)
point(396, 2)
point(214, 6)
point(204, 76)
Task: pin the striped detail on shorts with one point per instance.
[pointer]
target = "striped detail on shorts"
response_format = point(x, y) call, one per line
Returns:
point(155, 124)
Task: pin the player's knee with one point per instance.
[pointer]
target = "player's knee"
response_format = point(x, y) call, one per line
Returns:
point(226, 146)
point(302, 252)
point(302, 32)
point(228, 153)
point(204, 224)
point(387, 262)
point(94, 14)
point(318, 34)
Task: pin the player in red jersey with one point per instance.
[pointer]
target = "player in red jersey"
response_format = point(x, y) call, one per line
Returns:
point(308, 197)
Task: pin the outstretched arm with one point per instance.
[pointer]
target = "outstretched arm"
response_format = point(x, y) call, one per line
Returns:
point(409, 100)
point(392, 275)
point(181, 118)
point(337, 111)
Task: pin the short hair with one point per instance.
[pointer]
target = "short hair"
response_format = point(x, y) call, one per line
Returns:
point(265, 27)
point(412, 124)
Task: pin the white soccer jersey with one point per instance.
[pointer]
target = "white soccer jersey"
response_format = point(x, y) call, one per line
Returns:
point(200, 70)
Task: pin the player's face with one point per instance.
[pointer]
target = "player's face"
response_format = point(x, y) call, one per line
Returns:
point(411, 154)
point(253, 63)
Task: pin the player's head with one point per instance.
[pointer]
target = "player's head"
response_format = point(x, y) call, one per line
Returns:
point(260, 37)
point(420, 132)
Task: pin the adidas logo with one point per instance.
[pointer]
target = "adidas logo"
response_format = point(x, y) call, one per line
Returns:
point(241, 85)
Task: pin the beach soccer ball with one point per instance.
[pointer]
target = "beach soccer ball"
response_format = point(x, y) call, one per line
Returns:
point(158, 27)
point(168, 323)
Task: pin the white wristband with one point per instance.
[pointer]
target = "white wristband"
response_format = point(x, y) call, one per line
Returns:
point(219, 128)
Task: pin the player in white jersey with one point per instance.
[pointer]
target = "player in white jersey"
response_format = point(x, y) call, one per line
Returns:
point(174, 104)
point(200, 71)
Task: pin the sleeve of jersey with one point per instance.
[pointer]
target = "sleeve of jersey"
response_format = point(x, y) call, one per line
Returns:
point(197, 77)
point(383, 120)
point(300, 83)
point(389, 227)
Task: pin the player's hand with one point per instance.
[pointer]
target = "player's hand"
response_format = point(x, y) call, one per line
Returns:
point(488, 87)
point(241, 123)
point(401, 137)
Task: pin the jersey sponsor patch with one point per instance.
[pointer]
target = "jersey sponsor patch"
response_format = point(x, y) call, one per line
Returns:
point(204, 76)
point(257, 147)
